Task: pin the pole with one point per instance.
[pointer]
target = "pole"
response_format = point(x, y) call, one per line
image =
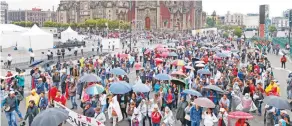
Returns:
point(131, 26)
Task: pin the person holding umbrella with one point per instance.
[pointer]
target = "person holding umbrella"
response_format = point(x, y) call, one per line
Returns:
point(31, 112)
point(180, 114)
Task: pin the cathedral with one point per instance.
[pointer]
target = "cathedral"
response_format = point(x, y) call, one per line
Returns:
point(159, 15)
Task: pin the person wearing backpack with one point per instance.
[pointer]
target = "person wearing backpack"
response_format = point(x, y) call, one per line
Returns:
point(283, 61)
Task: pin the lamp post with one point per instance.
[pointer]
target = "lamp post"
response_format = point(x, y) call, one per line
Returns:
point(130, 25)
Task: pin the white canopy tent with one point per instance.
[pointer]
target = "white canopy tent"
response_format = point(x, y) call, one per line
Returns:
point(36, 39)
point(69, 34)
point(10, 34)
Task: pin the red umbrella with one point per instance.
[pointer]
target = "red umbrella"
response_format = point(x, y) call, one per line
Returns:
point(159, 46)
point(137, 66)
point(240, 115)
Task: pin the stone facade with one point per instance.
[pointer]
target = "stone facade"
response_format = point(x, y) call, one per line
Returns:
point(179, 15)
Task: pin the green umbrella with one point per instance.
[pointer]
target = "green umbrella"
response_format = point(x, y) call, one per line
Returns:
point(178, 82)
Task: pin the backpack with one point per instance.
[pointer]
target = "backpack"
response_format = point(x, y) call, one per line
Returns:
point(283, 59)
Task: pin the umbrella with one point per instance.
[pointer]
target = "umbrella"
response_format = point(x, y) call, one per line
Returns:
point(189, 67)
point(223, 55)
point(158, 60)
point(217, 57)
point(118, 71)
point(90, 78)
point(94, 89)
point(200, 65)
point(161, 49)
point(203, 71)
point(234, 50)
point(162, 77)
point(178, 82)
point(214, 87)
point(192, 92)
point(178, 63)
point(173, 54)
point(123, 55)
point(164, 54)
point(120, 87)
point(240, 115)
point(137, 66)
point(180, 47)
point(179, 73)
point(147, 51)
point(35, 63)
point(220, 45)
point(141, 88)
point(57, 116)
point(159, 46)
point(277, 102)
point(204, 102)
point(199, 62)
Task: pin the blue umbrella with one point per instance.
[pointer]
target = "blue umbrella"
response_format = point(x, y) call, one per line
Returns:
point(94, 89)
point(162, 77)
point(214, 87)
point(277, 102)
point(221, 55)
point(90, 78)
point(120, 87)
point(141, 88)
point(203, 71)
point(192, 92)
point(118, 71)
point(172, 54)
point(35, 63)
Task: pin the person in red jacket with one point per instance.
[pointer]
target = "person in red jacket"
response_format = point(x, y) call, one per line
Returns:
point(60, 98)
point(52, 94)
point(156, 116)
point(283, 61)
point(256, 68)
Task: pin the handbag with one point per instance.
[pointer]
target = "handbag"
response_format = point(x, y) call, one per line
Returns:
point(187, 117)
point(114, 113)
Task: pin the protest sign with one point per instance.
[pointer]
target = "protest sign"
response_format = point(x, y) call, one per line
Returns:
point(76, 119)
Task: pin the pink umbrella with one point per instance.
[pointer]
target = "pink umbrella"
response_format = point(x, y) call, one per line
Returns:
point(204, 102)
point(164, 54)
point(240, 115)
point(158, 60)
point(161, 49)
point(189, 67)
point(124, 55)
point(178, 73)
point(217, 58)
point(137, 66)
point(159, 46)
point(147, 51)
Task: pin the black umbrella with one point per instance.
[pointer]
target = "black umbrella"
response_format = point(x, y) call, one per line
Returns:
point(277, 102)
point(50, 117)
point(178, 82)
point(36, 63)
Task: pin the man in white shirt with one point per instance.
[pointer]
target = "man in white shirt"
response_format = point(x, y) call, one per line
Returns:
point(9, 61)
point(31, 57)
point(49, 54)
point(99, 115)
point(81, 50)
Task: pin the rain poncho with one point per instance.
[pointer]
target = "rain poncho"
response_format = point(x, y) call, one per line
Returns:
point(272, 87)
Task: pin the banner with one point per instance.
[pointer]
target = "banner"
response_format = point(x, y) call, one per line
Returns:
point(76, 119)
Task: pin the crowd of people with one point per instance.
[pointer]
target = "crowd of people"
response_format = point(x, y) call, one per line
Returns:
point(195, 82)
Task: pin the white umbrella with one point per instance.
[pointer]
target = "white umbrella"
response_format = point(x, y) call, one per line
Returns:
point(200, 65)
point(220, 45)
point(199, 62)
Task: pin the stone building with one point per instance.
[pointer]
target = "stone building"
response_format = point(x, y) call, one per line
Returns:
point(3, 12)
point(179, 15)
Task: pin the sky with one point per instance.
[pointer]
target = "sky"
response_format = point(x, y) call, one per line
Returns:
point(220, 6)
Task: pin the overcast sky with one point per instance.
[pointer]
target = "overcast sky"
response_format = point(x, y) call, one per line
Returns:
point(220, 6)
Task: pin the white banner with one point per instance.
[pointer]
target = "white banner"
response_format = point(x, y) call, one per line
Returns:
point(76, 119)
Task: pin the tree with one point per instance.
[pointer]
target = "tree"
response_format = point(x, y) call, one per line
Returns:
point(238, 32)
point(91, 23)
point(225, 35)
point(100, 23)
point(210, 22)
point(113, 24)
point(272, 29)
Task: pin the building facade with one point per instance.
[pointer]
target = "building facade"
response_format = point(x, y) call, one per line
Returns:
point(286, 13)
point(251, 21)
point(35, 15)
point(280, 22)
point(180, 15)
point(3, 12)
point(235, 19)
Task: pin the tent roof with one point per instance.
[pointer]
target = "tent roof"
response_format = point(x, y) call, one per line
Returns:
point(69, 30)
point(12, 28)
point(35, 30)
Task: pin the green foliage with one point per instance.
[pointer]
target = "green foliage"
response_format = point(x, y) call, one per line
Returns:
point(272, 28)
point(24, 23)
point(210, 22)
point(225, 35)
point(238, 32)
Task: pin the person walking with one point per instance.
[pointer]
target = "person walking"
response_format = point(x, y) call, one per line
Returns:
point(31, 57)
point(63, 53)
point(59, 55)
point(9, 61)
point(75, 50)
point(10, 106)
point(283, 61)
point(44, 102)
point(49, 54)
point(72, 94)
point(81, 48)
point(31, 112)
